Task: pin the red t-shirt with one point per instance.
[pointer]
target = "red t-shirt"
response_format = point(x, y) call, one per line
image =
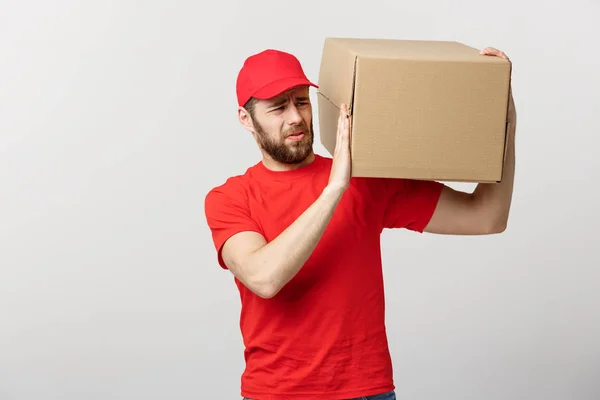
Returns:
point(323, 335)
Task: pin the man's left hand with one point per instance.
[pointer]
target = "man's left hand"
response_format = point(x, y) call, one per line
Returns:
point(512, 114)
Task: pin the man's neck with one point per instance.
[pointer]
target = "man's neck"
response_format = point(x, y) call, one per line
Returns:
point(273, 165)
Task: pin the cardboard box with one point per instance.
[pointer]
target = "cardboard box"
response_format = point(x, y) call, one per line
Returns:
point(431, 110)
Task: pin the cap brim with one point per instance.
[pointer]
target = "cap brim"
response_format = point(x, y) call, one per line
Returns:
point(280, 86)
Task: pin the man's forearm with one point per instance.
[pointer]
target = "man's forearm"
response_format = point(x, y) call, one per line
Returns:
point(494, 199)
point(276, 263)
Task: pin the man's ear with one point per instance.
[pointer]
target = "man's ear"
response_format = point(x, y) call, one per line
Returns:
point(245, 119)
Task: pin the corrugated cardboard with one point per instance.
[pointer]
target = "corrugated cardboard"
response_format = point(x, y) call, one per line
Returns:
point(431, 110)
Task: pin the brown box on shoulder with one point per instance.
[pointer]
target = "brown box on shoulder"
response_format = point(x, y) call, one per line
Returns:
point(430, 110)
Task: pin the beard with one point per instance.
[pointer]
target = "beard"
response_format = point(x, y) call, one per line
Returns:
point(286, 153)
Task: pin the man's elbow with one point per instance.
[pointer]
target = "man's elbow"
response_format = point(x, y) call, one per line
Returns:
point(496, 226)
point(265, 291)
point(255, 277)
point(263, 286)
point(500, 228)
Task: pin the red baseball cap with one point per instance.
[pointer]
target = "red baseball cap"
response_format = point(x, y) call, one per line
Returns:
point(267, 74)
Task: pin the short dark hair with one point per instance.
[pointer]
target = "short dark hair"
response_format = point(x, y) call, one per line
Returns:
point(249, 106)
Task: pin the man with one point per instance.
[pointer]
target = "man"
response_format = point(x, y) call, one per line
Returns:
point(302, 239)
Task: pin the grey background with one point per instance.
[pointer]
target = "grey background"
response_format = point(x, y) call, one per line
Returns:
point(116, 118)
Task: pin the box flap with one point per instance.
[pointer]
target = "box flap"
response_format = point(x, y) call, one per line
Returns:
point(328, 118)
point(509, 127)
point(337, 73)
point(421, 50)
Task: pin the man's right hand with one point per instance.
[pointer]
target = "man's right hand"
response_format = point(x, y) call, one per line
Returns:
point(341, 171)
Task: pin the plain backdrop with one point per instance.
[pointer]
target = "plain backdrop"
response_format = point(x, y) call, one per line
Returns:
point(117, 117)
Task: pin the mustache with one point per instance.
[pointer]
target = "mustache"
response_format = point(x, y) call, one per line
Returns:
point(303, 127)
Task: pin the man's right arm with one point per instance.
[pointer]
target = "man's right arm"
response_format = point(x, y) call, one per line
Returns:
point(265, 268)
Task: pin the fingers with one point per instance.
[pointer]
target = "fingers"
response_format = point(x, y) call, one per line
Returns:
point(343, 122)
point(491, 51)
point(338, 136)
point(345, 126)
point(345, 117)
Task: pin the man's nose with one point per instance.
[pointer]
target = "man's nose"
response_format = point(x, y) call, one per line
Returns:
point(293, 115)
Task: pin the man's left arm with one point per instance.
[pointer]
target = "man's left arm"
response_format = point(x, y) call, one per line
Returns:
point(486, 210)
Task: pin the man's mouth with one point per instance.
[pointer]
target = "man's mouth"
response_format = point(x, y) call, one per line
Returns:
point(296, 136)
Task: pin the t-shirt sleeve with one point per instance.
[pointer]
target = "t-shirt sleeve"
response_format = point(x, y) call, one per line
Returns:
point(411, 203)
point(227, 213)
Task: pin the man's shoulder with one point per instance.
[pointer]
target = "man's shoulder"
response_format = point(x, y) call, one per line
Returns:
point(232, 183)
point(232, 188)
